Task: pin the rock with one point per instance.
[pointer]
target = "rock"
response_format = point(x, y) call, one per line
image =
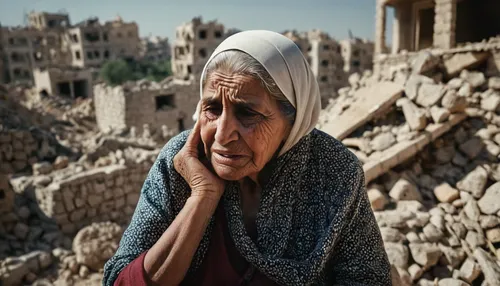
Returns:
point(474, 239)
point(391, 235)
point(61, 162)
point(403, 190)
point(430, 94)
point(397, 254)
point(445, 193)
point(490, 202)
point(415, 271)
point(491, 270)
point(95, 244)
point(494, 83)
point(475, 79)
point(439, 114)
point(377, 199)
point(84, 271)
point(465, 90)
point(469, 270)
point(472, 147)
point(413, 84)
point(394, 218)
point(493, 235)
point(489, 221)
point(451, 282)
point(460, 61)
point(472, 210)
point(452, 256)
point(424, 62)
point(474, 182)
point(425, 254)
point(432, 233)
point(453, 102)
point(455, 83)
point(23, 212)
point(383, 141)
point(491, 103)
point(415, 117)
point(354, 80)
point(42, 168)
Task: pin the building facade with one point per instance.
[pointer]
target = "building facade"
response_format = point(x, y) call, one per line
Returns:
point(155, 49)
point(45, 20)
point(66, 81)
point(92, 44)
point(194, 43)
point(357, 54)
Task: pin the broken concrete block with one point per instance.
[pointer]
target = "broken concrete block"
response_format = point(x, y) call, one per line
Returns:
point(490, 202)
point(459, 62)
point(494, 83)
point(491, 103)
point(439, 114)
point(403, 190)
point(475, 79)
point(445, 193)
point(453, 102)
point(430, 94)
point(415, 117)
point(424, 62)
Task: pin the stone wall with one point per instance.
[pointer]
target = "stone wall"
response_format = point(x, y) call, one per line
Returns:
point(103, 194)
point(109, 104)
point(138, 104)
point(17, 150)
point(445, 23)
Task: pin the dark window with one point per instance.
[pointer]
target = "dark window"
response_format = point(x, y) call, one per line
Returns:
point(324, 79)
point(74, 38)
point(64, 88)
point(218, 34)
point(11, 41)
point(189, 69)
point(203, 53)
point(90, 55)
point(326, 47)
point(202, 34)
point(324, 63)
point(118, 35)
point(165, 102)
point(106, 54)
point(105, 37)
point(130, 34)
point(355, 53)
point(97, 54)
point(356, 64)
point(339, 50)
point(180, 51)
point(92, 36)
point(77, 55)
point(51, 23)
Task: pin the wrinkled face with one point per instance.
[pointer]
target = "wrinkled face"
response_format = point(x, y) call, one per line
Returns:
point(241, 125)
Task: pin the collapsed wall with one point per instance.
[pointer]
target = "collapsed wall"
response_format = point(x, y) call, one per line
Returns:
point(103, 194)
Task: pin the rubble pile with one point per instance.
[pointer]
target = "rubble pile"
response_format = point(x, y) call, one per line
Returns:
point(430, 152)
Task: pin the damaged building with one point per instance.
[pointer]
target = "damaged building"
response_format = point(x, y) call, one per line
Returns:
point(67, 81)
point(357, 54)
point(446, 26)
point(92, 43)
point(146, 106)
point(194, 42)
point(155, 49)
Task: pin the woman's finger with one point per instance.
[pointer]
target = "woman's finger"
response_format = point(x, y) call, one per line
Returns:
point(194, 137)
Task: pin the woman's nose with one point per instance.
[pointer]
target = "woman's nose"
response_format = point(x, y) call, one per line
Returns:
point(227, 128)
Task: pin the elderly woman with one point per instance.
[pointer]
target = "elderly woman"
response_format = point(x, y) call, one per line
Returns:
point(253, 194)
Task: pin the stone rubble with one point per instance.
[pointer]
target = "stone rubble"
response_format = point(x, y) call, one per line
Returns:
point(433, 179)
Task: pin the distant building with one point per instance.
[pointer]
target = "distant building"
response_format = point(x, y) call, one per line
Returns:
point(92, 43)
point(69, 82)
point(45, 20)
point(357, 54)
point(155, 49)
point(194, 43)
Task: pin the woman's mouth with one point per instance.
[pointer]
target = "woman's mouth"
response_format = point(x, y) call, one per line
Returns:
point(228, 159)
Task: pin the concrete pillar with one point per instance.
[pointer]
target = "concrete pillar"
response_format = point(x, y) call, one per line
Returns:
point(445, 24)
point(72, 89)
point(396, 31)
point(380, 27)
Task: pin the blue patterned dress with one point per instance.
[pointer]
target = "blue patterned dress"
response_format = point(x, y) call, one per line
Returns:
point(314, 225)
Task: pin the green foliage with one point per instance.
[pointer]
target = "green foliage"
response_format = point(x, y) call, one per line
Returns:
point(120, 71)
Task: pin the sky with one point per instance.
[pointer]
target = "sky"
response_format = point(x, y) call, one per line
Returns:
point(160, 17)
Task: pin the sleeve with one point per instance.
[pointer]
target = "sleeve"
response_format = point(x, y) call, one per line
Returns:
point(152, 216)
point(360, 257)
point(133, 274)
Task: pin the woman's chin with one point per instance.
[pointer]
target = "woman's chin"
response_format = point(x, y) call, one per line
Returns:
point(229, 174)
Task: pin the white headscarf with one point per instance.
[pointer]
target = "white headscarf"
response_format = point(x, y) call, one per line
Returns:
point(284, 61)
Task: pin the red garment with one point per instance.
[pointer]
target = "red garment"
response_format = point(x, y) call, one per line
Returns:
point(222, 265)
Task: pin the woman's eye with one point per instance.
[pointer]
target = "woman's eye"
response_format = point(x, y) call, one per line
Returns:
point(212, 112)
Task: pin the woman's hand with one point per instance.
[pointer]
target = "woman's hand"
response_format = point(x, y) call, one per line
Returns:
point(199, 178)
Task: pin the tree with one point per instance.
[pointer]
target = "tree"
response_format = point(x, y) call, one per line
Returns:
point(116, 72)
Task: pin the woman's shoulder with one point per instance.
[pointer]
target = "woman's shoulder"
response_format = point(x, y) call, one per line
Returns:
point(332, 156)
point(173, 146)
